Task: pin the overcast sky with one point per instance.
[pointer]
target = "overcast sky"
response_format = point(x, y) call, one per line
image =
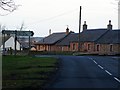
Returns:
point(42, 15)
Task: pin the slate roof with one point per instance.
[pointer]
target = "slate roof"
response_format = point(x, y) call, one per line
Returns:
point(69, 38)
point(90, 35)
point(52, 39)
point(111, 37)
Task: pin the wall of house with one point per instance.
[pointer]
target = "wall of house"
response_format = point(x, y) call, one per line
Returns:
point(105, 49)
point(52, 48)
point(73, 46)
point(60, 48)
point(41, 47)
point(11, 43)
point(87, 47)
point(65, 48)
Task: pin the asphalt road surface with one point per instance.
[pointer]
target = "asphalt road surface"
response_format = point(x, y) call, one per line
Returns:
point(87, 72)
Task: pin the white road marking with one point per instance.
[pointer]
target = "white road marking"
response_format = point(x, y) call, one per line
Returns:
point(105, 70)
point(100, 67)
point(117, 79)
point(108, 72)
point(91, 58)
point(95, 62)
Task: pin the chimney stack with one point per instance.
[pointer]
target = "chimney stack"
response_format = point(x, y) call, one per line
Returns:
point(50, 32)
point(109, 26)
point(84, 26)
point(67, 30)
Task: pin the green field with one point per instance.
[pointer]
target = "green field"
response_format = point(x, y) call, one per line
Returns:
point(26, 71)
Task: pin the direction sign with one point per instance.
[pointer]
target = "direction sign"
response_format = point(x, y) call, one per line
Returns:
point(18, 33)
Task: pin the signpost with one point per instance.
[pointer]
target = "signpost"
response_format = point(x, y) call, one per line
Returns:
point(16, 33)
point(19, 33)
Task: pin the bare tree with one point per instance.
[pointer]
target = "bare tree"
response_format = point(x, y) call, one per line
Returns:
point(8, 5)
point(22, 26)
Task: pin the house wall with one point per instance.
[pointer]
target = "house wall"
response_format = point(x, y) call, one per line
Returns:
point(86, 47)
point(83, 47)
point(10, 43)
point(42, 47)
point(59, 48)
point(74, 46)
point(65, 48)
point(105, 49)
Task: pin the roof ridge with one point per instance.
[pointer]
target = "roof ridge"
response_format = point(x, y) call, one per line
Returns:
point(64, 37)
point(97, 29)
point(102, 35)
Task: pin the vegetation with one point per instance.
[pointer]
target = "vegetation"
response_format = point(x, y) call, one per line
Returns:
point(51, 53)
point(26, 71)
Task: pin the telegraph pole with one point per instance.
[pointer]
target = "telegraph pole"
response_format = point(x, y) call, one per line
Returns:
point(79, 29)
point(119, 14)
point(15, 42)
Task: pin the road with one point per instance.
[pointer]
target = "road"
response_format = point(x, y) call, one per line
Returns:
point(87, 72)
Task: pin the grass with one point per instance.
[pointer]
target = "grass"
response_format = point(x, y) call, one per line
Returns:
point(26, 71)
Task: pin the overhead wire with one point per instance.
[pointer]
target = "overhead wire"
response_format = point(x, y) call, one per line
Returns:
point(53, 17)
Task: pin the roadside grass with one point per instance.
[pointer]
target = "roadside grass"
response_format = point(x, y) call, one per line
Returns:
point(26, 71)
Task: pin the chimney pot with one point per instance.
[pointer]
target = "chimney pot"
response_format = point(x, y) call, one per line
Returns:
point(67, 30)
point(50, 32)
point(109, 26)
point(84, 26)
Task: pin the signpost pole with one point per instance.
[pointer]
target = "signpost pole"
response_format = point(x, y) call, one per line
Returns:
point(3, 34)
point(29, 44)
point(15, 41)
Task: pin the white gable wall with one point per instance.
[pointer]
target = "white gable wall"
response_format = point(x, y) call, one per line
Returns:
point(10, 43)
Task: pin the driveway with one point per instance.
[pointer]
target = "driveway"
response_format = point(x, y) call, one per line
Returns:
point(87, 72)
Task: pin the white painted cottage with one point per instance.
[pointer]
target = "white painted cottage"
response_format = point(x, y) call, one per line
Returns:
point(10, 43)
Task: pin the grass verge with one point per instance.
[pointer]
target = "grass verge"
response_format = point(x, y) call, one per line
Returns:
point(26, 71)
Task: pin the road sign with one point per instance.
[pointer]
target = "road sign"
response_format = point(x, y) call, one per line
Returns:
point(18, 33)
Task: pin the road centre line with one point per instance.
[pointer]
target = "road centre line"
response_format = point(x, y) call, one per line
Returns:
point(105, 70)
point(95, 62)
point(91, 58)
point(100, 66)
point(117, 79)
point(108, 72)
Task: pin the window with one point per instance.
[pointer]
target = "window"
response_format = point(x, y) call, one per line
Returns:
point(82, 45)
point(98, 47)
point(62, 48)
point(111, 48)
point(74, 47)
point(89, 46)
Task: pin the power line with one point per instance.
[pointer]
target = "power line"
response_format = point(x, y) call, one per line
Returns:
point(54, 17)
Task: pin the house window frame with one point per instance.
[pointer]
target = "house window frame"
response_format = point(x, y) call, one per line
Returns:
point(62, 48)
point(111, 48)
point(98, 47)
point(89, 46)
point(74, 46)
